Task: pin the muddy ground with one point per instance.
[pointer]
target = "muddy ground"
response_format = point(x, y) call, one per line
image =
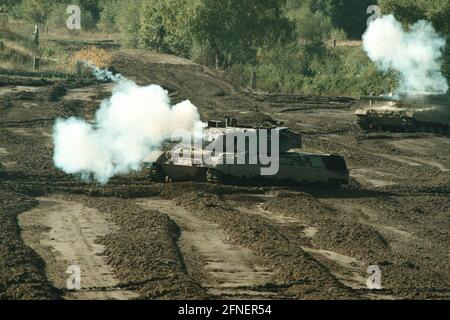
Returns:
point(135, 239)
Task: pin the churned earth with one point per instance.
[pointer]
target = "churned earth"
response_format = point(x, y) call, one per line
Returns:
point(137, 239)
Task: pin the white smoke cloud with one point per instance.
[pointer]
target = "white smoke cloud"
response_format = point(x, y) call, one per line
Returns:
point(129, 126)
point(416, 54)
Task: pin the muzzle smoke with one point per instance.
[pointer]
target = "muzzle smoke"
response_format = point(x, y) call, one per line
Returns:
point(128, 127)
point(416, 54)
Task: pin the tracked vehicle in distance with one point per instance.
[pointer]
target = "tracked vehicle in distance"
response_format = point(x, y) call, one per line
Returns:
point(295, 166)
point(419, 112)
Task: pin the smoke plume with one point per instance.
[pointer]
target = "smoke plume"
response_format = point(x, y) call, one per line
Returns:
point(416, 54)
point(129, 126)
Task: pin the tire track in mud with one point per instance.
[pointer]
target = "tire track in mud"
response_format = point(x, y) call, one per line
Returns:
point(375, 164)
point(346, 269)
point(230, 271)
point(65, 233)
point(348, 252)
point(277, 241)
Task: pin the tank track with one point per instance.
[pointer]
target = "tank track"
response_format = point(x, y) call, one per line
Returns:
point(156, 174)
point(216, 177)
point(407, 127)
point(213, 176)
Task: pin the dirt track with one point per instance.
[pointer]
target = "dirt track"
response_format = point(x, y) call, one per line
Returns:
point(189, 240)
point(229, 270)
point(65, 234)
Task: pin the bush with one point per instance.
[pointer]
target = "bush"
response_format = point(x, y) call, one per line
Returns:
point(58, 16)
point(203, 54)
point(88, 22)
point(310, 25)
point(109, 15)
point(128, 20)
point(338, 34)
point(283, 68)
point(315, 69)
point(156, 25)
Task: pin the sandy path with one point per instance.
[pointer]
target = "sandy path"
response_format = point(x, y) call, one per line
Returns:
point(231, 271)
point(65, 233)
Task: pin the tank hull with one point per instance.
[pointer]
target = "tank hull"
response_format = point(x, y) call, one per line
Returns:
point(324, 170)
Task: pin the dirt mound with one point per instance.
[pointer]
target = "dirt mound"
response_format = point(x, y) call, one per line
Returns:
point(144, 252)
point(22, 271)
point(255, 119)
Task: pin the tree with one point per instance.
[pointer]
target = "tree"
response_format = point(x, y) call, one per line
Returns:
point(7, 4)
point(409, 11)
point(231, 30)
point(37, 10)
point(310, 25)
point(351, 16)
point(165, 25)
point(321, 16)
point(235, 29)
point(93, 7)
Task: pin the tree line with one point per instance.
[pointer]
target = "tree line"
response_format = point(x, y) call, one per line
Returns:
point(240, 33)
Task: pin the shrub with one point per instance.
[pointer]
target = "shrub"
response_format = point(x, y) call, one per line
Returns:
point(310, 25)
point(109, 15)
point(315, 69)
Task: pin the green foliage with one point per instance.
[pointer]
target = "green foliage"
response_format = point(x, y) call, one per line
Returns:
point(319, 17)
point(109, 15)
point(315, 69)
point(408, 11)
point(127, 18)
point(37, 10)
point(91, 8)
point(232, 30)
point(151, 24)
point(6, 5)
point(151, 29)
point(310, 24)
point(254, 35)
point(235, 29)
point(202, 53)
point(57, 16)
point(164, 26)
point(283, 68)
point(351, 16)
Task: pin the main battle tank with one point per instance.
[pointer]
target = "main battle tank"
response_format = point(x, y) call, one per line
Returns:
point(423, 112)
point(294, 166)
